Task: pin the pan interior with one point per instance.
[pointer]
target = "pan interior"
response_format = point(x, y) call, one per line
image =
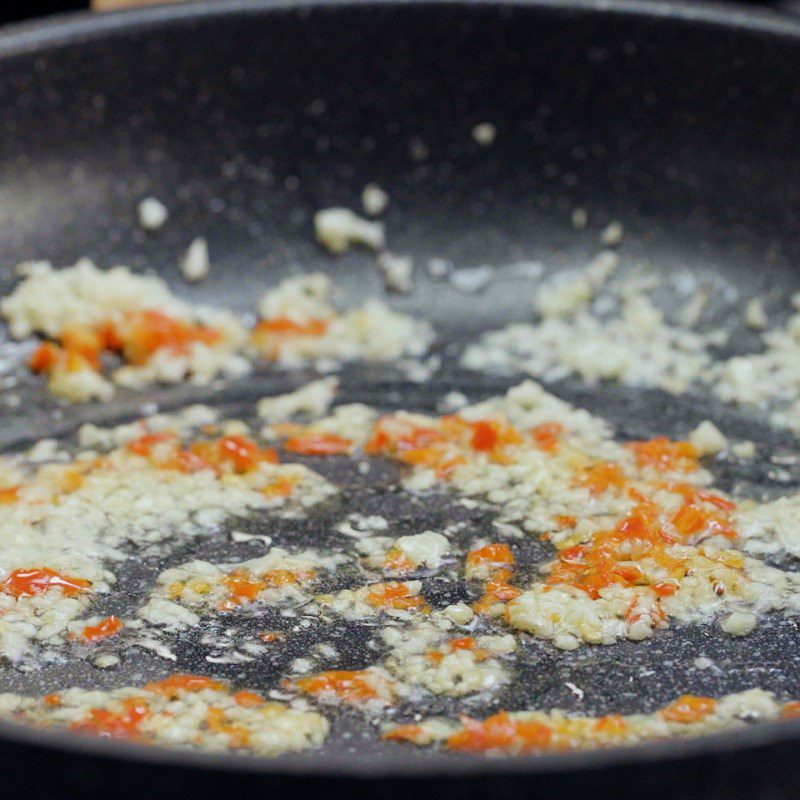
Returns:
point(247, 122)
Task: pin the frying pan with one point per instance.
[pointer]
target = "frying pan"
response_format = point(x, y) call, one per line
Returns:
point(245, 117)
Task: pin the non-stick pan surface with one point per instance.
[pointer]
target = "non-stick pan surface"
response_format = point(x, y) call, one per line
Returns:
point(246, 117)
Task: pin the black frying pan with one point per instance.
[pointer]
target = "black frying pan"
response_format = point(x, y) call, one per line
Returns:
point(681, 121)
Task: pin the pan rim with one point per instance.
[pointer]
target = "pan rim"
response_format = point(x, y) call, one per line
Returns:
point(82, 27)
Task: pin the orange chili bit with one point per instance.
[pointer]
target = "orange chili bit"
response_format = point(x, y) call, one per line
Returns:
point(9, 494)
point(665, 589)
point(29, 582)
point(404, 733)
point(496, 554)
point(494, 593)
point(575, 555)
point(377, 444)
point(566, 520)
point(144, 333)
point(422, 457)
point(268, 637)
point(602, 477)
point(467, 643)
point(282, 577)
point(238, 736)
point(503, 592)
point(109, 336)
point(397, 561)
point(791, 710)
point(716, 527)
point(634, 613)
point(70, 478)
point(45, 357)
point(116, 725)
point(282, 487)
point(664, 455)
point(548, 436)
point(455, 428)
point(80, 351)
point(75, 362)
point(606, 559)
point(641, 528)
point(248, 699)
point(688, 708)
point(485, 436)
point(722, 503)
point(242, 588)
point(388, 441)
point(350, 686)
point(394, 595)
point(104, 629)
point(500, 732)
point(690, 520)
point(84, 341)
point(144, 445)
point(243, 452)
point(630, 573)
point(240, 453)
point(693, 495)
point(284, 326)
point(52, 699)
point(320, 444)
point(418, 439)
point(611, 725)
point(188, 462)
point(643, 502)
point(181, 682)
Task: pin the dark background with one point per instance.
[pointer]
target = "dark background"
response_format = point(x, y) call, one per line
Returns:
point(38, 8)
